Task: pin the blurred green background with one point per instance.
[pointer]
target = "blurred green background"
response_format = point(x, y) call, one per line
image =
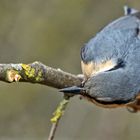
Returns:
point(53, 31)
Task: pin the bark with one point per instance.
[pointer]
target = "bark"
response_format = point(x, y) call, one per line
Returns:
point(37, 73)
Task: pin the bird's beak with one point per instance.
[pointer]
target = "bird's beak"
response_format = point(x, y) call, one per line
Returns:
point(73, 89)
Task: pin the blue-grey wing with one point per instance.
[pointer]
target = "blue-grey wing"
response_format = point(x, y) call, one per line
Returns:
point(113, 40)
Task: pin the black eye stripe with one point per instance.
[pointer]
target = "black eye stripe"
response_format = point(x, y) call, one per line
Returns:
point(120, 64)
point(137, 31)
point(129, 11)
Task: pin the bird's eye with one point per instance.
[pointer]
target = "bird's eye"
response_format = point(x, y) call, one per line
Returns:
point(137, 31)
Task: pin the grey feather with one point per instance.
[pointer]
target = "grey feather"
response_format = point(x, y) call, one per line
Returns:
point(113, 41)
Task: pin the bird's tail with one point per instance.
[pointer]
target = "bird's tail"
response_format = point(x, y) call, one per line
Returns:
point(73, 89)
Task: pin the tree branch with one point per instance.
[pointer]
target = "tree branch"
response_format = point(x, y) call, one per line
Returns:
point(37, 73)
point(57, 116)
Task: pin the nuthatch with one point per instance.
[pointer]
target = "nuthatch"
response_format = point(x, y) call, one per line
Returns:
point(110, 63)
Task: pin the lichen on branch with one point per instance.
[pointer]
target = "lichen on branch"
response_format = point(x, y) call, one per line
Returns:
point(37, 73)
point(59, 111)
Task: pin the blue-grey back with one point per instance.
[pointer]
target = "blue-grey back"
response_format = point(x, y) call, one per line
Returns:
point(113, 41)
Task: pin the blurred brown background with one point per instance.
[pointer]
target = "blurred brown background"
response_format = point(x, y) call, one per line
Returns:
point(53, 31)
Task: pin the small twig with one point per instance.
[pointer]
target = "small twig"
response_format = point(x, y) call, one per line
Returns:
point(56, 117)
point(53, 130)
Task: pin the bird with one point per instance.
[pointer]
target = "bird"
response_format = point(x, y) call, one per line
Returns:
point(110, 63)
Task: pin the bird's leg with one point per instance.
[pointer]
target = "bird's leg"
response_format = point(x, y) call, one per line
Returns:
point(81, 76)
point(82, 83)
